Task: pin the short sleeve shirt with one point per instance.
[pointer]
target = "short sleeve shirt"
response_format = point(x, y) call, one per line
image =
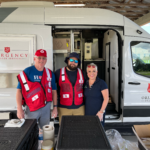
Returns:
point(35, 76)
point(93, 96)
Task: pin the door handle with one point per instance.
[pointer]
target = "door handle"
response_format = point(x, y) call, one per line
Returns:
point(134, 83)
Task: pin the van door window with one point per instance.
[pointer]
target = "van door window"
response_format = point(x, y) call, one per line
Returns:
point(141, 58)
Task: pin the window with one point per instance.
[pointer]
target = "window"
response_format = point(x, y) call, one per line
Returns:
point(8, 80)
point(141, 58)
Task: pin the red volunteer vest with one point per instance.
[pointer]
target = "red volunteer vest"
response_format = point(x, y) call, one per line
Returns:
point(36, 94)
point(67, 91)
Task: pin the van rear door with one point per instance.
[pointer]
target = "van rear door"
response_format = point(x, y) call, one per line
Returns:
point(136, 80)
point(18, 44)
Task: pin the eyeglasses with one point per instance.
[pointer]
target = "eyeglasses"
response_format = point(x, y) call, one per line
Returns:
point(89, 66)
point(71, 60)
point(39, 58)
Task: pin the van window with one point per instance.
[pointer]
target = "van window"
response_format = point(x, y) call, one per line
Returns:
point(8, 80)
point(141, 58)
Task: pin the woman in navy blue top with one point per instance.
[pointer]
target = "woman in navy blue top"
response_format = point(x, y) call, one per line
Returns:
point(95, 93)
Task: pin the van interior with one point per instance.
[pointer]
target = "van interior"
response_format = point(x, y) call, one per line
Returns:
point(99, 46)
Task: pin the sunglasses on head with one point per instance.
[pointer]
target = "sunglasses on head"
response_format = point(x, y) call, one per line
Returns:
point(71, 60)
point(89, 66)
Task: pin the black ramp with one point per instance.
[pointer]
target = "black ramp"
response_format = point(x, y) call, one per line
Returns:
point(23, 138)
point(82, 133)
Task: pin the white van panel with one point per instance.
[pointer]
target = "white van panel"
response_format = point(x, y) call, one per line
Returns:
point(130, 29)
point(136, 119)
point(43, 37)
point(84, 16)
point(133, 94)
point(27, 4)
point(43, 41)
point(16, 51)
point(26, 15)
point(111, 47)
point(69, 16)
point(8, 80)
point(8, 99)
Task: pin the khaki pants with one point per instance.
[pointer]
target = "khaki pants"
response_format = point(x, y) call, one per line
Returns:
point(70, 112)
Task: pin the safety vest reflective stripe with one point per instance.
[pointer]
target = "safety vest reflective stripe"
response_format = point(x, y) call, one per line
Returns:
point(48, 74)
point(24, 81)
point(63, 74)
point(81, 80)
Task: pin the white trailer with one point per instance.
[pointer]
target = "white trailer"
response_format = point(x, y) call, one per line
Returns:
point(124, 50)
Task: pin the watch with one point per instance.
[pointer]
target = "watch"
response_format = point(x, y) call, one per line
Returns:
point(102, 111)
point(55, 106)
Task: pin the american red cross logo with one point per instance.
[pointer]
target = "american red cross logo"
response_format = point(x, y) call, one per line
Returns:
point(80, 95)
point(65, 95)
point(42, 51)
point(7, 49)
point(148, 89)
point(80, 81)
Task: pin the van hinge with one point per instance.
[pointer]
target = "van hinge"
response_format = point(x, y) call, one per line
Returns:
point(122, 94)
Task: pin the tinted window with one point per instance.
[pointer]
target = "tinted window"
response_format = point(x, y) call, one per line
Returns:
point(141, 58)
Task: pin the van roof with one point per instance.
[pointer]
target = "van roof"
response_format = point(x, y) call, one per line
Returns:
point(68, 16)
point(27, 4)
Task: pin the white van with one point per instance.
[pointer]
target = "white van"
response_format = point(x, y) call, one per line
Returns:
point(123, 52)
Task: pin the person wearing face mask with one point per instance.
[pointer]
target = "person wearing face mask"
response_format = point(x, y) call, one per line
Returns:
point(70, 80)
point(37, 87)
point(95, 94)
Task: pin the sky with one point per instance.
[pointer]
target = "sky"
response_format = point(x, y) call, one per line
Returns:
point(147, 27)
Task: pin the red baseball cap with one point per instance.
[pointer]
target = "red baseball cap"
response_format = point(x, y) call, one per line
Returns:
point(41, 52)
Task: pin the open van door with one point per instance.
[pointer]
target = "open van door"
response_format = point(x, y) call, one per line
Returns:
point(136, 80)
point(18, 44)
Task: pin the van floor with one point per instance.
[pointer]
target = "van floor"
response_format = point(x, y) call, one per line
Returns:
point(130, 138)
point(111, 113)
point(124, 130)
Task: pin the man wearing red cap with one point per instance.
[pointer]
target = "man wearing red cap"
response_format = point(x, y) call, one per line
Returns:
point(37, 88)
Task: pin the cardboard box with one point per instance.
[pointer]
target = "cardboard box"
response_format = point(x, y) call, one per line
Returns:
point(61, 44)
point(142, 131)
